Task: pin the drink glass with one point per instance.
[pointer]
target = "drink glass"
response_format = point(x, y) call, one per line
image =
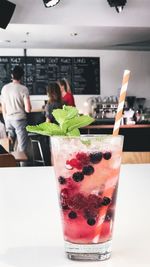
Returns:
point(87, 171)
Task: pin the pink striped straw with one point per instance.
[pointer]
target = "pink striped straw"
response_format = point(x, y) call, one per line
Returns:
point(122, 97)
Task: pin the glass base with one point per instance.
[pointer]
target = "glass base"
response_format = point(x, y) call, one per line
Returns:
point(88, 257)
point(88, 252)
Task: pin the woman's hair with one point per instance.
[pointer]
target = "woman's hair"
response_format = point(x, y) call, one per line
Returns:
point(64, 82)
point(54, 93)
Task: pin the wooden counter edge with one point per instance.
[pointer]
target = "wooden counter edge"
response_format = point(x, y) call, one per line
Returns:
point(32, 111)
point(122, 126)
point(136, 157)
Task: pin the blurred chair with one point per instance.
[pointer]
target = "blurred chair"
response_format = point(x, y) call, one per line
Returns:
point(20, 157)
point(7, 160)
point(133, 157)
point(37, 151)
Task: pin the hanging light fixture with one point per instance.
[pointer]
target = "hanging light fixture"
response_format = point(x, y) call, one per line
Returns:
point(118, 4)
point(50, 3)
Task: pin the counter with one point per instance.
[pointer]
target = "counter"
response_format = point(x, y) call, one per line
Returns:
point(33, 110)
point(30, 228)
point(36, 116)
point(136, 136)
point(133, 126)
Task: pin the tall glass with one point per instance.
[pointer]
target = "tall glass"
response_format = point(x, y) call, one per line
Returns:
point(87, 171)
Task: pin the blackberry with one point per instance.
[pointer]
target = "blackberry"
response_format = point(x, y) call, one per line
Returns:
point(107, 155)
point(96, 157)
point(88, 170)
point(78, 176)
point(72, 215)
point(106, 201)
point(61, 180)
point(109, 215)
point(90, 212)
point(91, 221)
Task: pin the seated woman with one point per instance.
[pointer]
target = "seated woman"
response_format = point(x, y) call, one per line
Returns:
point(67, 96)
point(54, 101)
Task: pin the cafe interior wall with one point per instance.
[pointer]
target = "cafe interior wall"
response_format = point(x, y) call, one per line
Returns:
point(112, 65)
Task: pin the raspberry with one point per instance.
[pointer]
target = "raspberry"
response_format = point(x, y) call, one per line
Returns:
point(64, 207)
point(88, 170)
point(78, 176)
point(64, 192)
point(94, 201)
point(71, 185)
point(72, 215)
point(106, 201)
point(91, 221)
point(78, 162)
point(83, 158)
point(77, 201)
point(63, 203)
point(61, 180)
point(96, 157)
point(107, 155)
point(74, 163)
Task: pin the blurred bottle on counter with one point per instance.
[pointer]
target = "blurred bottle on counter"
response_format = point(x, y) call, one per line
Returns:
point(128, 116)
point(138, 116)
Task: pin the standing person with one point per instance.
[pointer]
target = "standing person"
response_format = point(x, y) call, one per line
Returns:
point(15, 104)
point(54, 101)
point(67, 96)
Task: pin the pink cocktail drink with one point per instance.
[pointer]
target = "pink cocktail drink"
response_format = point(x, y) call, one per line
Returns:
point(87, 171)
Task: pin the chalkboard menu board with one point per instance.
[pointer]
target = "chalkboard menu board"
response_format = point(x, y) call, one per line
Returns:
point(81, 72)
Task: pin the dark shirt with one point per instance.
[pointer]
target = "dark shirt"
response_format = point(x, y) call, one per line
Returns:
point(49, 109)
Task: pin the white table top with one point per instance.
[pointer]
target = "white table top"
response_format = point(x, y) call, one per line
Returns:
point(30, 228)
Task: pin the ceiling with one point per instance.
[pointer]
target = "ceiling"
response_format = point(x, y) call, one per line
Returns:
point(78, 24)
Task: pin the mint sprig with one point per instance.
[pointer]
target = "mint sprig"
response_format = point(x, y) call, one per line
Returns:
point(68, 119)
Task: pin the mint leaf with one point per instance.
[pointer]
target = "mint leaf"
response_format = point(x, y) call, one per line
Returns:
point(77, 122)
point(46, 128)
point(69, 123)
point(71, 112)
point(86, 142)
point(62, 115)
point(74, 132)
point(59, 115)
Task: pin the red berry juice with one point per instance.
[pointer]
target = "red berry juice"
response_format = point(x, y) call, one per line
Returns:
point(87, 171)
